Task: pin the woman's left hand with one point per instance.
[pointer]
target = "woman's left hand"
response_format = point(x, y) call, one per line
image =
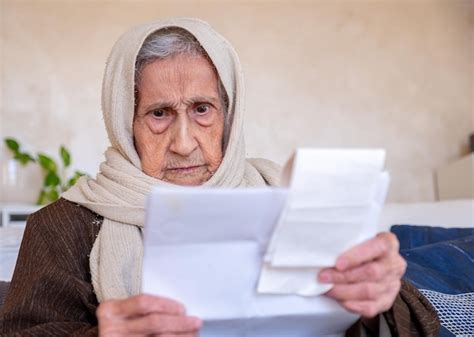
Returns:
point(367, 277)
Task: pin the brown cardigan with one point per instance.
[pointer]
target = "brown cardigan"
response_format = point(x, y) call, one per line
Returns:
point(51, 292)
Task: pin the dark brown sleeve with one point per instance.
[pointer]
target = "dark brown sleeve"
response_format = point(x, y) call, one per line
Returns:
point(51, 292)
point(412, 314)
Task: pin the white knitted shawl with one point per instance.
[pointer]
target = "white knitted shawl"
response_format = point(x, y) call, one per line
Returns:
point(120, 189)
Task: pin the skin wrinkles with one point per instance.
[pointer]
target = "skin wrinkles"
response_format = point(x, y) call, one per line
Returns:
point(179, 121)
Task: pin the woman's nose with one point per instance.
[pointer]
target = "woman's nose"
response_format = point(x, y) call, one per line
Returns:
point(183, 142)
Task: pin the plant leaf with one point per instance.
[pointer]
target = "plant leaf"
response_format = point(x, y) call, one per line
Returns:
point(75, 178)
point(41, 198)
point(23, 158)
point(47, 163)
point(12, 144)
point(71, 182)
point(53, 195)
point(30, 158)
point(47, 195)
point(65, 156)
point(19, 157)
point(52, 179)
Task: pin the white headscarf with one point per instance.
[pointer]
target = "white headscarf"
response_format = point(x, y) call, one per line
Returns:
point(120, 189)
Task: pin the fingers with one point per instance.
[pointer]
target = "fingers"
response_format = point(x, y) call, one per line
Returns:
point(382, 244)
point(357, 291)
point(145, 315)
point(373, 271)
point(140, 305)
point(385, 268)
point(367, 277)
point(367, 309)
point(371, 308)
point(366, 299)
point(165, 325)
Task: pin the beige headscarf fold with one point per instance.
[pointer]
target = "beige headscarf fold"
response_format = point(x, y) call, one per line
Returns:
point(120, 189)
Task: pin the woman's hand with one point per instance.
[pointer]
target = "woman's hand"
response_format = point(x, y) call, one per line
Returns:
point(144, 315)
point(367, 277)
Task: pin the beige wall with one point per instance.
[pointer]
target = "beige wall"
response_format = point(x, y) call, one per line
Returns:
point(392, 74)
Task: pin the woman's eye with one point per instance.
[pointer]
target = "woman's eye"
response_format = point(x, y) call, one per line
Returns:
point(159, 113)
point(202, 109)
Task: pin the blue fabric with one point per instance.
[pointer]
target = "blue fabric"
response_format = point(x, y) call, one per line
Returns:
point(415, 236)
point(439, 259)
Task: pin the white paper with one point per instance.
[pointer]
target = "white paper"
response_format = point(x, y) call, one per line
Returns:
point(291, 280)
point(329, 161)
point(334, 203)
point(205, 248)
point(246, 260)
point(317, 243)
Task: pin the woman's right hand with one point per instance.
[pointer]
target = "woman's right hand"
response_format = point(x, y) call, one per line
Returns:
point(145, 315)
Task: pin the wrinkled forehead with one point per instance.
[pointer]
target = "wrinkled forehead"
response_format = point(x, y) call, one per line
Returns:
point(213, 46)
point(167, 45)
point(168, 42)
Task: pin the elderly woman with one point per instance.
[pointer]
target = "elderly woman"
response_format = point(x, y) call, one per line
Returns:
point(173, 109)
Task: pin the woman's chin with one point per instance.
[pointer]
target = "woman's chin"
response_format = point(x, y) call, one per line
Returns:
point(187, 178)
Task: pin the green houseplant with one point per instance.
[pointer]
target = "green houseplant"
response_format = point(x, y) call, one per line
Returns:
point(55, 179)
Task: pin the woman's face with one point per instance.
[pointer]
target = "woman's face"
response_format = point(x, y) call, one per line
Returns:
point(179, 121)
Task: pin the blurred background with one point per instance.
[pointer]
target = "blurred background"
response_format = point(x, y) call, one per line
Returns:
point(394, 74)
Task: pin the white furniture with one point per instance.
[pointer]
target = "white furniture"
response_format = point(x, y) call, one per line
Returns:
point(13, 219)
point(448, 214)
point(10, 240)
point(16, 214)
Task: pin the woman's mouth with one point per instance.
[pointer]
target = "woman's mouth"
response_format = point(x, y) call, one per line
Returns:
point(185, 169)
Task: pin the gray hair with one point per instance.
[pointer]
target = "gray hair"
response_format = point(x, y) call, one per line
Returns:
point(169, 42)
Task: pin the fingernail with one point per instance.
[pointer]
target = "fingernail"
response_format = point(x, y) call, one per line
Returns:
point(325, 277)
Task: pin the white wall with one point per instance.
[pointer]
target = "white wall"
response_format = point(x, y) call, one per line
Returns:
point(392, 74)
